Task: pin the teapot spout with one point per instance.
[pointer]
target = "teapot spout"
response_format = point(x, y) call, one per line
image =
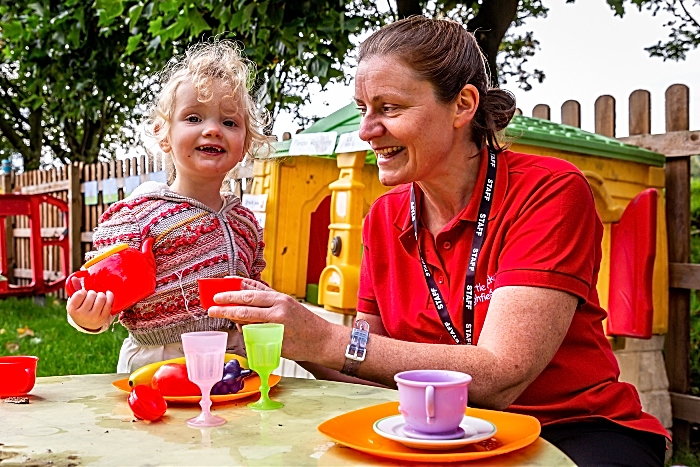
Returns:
point(147, 250)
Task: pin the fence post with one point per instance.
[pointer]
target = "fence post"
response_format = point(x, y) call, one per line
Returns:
point(605, 116)
point(640, 112)
point(6, 184)
point(541, 111)
point(6, 188)
point(677, 348)
point(75, 215)
point(571, 113)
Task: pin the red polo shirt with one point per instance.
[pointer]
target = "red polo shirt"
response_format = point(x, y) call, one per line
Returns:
point(543, 231)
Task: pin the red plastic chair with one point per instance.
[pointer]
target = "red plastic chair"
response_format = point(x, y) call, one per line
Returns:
point(29, 205)
point(632, 254)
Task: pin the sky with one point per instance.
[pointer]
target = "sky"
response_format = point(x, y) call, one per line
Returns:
point(585, 52)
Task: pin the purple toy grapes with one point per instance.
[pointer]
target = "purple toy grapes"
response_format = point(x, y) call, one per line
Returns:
point(232, 381)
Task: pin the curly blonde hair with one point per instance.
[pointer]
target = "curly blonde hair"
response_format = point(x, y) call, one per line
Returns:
point(204, 65)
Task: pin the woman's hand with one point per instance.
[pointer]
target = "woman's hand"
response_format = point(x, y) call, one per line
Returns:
point(250, 284)
point(89, 309)
point(304, 332)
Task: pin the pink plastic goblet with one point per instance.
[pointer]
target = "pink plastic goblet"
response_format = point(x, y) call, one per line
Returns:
point(204, 355)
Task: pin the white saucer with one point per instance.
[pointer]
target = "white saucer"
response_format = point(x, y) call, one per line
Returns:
point(475, 430)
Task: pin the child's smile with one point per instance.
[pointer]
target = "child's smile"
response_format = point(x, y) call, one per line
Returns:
point(212, 150)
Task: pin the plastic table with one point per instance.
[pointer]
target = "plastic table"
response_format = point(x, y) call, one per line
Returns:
point(84, 420)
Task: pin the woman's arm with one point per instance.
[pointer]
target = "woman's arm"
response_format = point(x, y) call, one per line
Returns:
point(321, 372)
point(523, 330)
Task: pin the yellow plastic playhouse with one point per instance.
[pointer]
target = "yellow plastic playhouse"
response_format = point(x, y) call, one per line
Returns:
point(315, 205)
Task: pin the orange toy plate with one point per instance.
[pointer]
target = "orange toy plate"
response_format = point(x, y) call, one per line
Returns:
point(251, 385)
point(354, 430)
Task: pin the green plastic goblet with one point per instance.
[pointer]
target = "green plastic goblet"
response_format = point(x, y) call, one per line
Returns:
point(263, 344)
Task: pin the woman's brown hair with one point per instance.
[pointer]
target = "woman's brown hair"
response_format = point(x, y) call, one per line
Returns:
point(446, 55)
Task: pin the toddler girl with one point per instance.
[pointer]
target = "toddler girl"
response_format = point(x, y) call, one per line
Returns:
point(206, 119)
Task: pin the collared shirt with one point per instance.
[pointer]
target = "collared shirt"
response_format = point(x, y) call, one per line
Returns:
point(543, 231)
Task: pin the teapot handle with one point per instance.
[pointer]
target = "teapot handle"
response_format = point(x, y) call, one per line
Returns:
point(70, 290)
point(147, 245)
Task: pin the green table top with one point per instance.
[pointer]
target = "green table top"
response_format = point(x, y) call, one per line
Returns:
point(84, 420)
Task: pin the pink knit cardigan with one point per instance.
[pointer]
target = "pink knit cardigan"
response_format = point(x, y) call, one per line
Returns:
point(190, 241)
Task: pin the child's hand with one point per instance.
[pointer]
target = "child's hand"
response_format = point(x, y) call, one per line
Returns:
point(89, 309)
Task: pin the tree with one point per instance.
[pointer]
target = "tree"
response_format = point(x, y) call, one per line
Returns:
point(684, 26)
point(490, 21)
point(507, 52)
point(293, 43)
point(73, 73)
point(64, 90)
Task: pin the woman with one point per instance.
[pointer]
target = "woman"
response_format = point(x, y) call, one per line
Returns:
point(476, 245)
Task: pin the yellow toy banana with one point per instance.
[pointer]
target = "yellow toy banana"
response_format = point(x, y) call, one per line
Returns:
point(144, 375)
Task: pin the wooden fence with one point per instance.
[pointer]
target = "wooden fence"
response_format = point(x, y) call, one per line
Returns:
point(69, 184)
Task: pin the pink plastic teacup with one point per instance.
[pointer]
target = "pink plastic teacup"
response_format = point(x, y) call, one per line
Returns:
point(211, 286)
point(432, 402)
point(17, 375)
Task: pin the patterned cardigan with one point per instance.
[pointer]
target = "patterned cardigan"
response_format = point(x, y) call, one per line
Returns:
point(190, 241)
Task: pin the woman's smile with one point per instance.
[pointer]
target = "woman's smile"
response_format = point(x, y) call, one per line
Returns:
point(386, 154)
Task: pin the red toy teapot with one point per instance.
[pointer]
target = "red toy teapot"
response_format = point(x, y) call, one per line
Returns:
point(128, 273)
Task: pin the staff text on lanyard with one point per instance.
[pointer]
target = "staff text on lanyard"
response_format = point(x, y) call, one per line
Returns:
point(477, 243)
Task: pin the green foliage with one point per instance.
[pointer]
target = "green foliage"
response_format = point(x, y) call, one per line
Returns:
point(27, 328)
point(73, 74)
point(695, 204)
point(685, 457)
point(517, 48)
point(694, 295)
point(66, 84)
point(684, 27)
point(691, 457)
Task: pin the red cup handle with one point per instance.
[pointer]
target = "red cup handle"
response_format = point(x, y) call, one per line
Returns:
point(28, 380)
point(70, 290)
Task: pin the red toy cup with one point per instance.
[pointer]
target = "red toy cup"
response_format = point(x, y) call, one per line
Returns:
point(211, 286)
point(17, 375)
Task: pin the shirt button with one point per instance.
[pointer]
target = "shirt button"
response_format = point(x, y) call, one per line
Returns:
point(447, 245)
point(441, 279)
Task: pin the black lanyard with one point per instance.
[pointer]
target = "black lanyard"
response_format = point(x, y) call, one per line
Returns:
point(477, 242)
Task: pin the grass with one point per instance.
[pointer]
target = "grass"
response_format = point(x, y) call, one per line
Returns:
point(685, 457)
point(27, 328)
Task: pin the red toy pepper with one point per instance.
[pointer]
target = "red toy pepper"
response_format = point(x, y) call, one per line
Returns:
point(147, 403)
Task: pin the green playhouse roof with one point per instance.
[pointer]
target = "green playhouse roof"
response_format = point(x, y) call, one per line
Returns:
point(521, 130)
